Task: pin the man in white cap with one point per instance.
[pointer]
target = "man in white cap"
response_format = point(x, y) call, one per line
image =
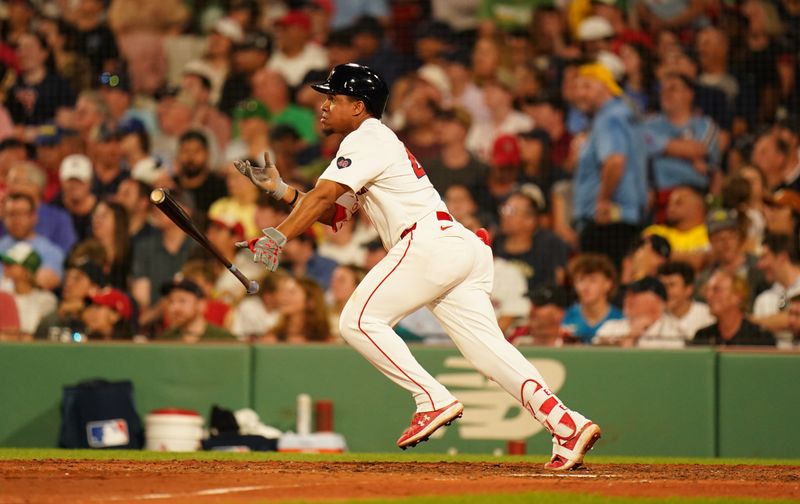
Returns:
point(595, 34)
point(21, 263)
point(215, 63)
point(77, 198)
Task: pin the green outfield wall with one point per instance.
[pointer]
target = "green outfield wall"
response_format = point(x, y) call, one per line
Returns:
point(694, 402)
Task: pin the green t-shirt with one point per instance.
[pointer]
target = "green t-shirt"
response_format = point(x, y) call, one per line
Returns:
point(212, 333)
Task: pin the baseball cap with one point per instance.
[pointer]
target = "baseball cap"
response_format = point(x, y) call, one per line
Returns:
point(374, 245)
point(130, 125)
point(544, 295)
point(295, 18)
point(254, 40)
point(147, 170)
point(505, 150)
point(229, 28)
point(234, 227)
point(183, 284)
point(75, 166)
point(659, 244)
point(48, 135)
point(594, 28)
point(22, 253)
point(601, 73)
point(647, 284)
point(434, 30)
point(718, 220)
point(251, 109)
point(114, 299)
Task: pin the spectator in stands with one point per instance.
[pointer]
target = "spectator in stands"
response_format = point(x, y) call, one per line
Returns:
point(594, 278)
point(76, 176)
point(21, 263)
point(712, 47)
point(73, 66)
point(196, 86)
point(216, 62)
point(344, 281)
point(776, 159)
point(89, 114)
point(185, 308)
point(780, 263)
point(678, 280)
point(156, 259)
point(460, 200)
point(297, 53)
point(505, 120)
point(193, 172)
point(656, 16)
point(744, 192)
point(110, 230)
point(727, 233)
point(340, 246)
point(50, 151)
point(134, 143)
point(464, 92)
point(595, 34)
point(548, 306)
point(115, 89)
point(685, 228)
point(503, 178)
point(39, 91)
point(240, 204)
point(610, 182)
point(300, 257)
point(639, 80)
point(107, 316)
point(538, 253)
point(81, 280)
point(224, 235)
point(271, 89)
point(52, 222)
point(134, 196)
point(650, 254)
point(286, 144)
point(9, 317)
point(203, 272)
point(256, 316)
point(373, 50)
point(19, 219)
point(251, 121)
point(683, 147)
point(548, 113)
point(19, 20)
point(419, 110)
point(304, 318)
point(727, 295)
point(348, 12)
point(95, 39)
point(454, 164)
point(106, 157)
point(794, 319)
point(175, 115)
point(647, 322)
point(248, 57)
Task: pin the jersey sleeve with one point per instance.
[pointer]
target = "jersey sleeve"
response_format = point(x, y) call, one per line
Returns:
point(358, 161)
point(346, 206)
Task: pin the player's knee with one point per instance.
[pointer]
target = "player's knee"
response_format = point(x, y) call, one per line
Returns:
point(348, 324)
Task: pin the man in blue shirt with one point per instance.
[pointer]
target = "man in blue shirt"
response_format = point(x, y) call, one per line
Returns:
point(683, 146)
point(610, 191)
point(19, 217)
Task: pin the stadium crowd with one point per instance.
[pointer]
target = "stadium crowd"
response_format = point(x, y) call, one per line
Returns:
point(636, 161)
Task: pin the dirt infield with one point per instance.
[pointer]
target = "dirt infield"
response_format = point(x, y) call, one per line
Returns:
point(76, 481)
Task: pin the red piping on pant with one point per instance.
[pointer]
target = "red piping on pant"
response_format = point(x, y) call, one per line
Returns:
point(433, 407)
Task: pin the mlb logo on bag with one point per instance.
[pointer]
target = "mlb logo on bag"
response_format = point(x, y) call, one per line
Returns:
point(105, 433)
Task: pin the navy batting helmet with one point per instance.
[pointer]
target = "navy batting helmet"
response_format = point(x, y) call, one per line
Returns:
point(358, 81)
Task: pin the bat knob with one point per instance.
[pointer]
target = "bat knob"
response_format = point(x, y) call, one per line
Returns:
point(253, 288)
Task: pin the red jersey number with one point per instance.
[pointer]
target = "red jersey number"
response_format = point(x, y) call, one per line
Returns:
point(418, 170)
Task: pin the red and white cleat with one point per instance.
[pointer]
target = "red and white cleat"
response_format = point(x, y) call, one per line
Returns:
point(568, 453)
point(425, 423)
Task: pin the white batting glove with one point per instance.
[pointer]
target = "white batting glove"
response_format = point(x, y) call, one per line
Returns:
point(267, 249)
point(267, 179)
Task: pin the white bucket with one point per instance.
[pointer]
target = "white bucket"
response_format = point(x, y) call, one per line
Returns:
point(173, 430)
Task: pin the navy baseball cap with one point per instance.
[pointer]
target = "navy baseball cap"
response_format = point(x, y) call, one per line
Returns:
point(48, 135)
point(647, 284)
point(549, 294)
point(183, 284)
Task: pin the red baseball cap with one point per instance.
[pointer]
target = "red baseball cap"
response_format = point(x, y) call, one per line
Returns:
point(505, 151)
point(295, 18)
point(114, 299)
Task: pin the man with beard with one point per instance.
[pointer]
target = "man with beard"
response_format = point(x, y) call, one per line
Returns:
point(193, 174)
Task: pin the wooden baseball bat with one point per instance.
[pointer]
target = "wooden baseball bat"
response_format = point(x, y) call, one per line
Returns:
point(167, 204)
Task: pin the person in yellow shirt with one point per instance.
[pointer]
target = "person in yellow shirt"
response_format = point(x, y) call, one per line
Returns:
point(240, 206)
point(685, 229)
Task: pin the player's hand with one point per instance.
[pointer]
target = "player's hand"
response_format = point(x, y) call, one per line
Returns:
point(268, 179)
point(267, 249)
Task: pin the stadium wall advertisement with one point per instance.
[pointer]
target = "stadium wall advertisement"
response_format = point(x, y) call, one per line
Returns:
point(694, 402)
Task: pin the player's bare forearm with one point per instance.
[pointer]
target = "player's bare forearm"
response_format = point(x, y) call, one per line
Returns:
point(294, 195)
point(317, 204)
point(610, 176)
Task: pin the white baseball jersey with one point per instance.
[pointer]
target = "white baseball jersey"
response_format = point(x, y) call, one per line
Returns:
point(387, 181)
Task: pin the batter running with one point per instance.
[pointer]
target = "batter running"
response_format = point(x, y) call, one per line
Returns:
point(432, 261)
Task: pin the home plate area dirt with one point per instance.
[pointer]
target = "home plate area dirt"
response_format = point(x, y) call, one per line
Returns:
point(75, 481)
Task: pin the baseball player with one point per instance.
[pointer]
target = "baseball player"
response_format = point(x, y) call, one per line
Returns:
point(432, 261)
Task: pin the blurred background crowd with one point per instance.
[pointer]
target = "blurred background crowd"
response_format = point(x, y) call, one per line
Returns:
point(636, 161)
